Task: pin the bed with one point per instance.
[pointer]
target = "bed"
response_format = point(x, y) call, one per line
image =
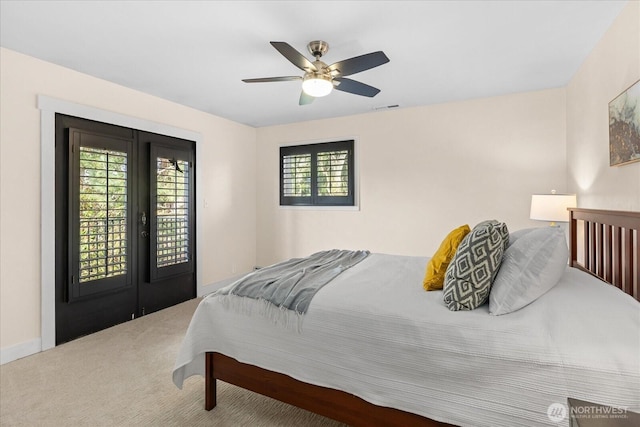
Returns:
point(381, 351)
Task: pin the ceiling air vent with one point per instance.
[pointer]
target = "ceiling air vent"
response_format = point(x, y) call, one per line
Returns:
point(385, 107)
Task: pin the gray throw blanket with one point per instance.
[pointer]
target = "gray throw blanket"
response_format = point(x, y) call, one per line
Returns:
point(283, 291)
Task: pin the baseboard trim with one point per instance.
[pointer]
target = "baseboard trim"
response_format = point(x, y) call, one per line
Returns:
point(18, 351)
point(207, 289)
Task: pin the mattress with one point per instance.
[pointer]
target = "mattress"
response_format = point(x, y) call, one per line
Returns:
point(375, 333)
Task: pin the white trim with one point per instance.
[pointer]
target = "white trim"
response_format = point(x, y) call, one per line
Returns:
point(54, 105)
point(319, 208)
point(208, 289)
point(48, 108)
point(318, 140)
point(18, 351)
point(47, 229)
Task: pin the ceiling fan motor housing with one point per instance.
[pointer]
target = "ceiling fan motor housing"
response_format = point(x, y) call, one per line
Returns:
point(318, 48)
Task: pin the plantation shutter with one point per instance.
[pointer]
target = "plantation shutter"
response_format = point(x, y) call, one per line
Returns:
point(99, 212)
point(296, 177)
point(172, 217)
point(172, 207)
point(317, 174)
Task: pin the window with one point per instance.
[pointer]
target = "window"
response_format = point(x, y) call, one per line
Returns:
point(317, 174)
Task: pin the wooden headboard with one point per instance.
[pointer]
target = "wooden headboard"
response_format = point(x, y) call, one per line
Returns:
point(609, 246)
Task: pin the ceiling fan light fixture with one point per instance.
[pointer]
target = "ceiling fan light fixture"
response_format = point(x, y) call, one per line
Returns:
point(317, 85)
point(319, 79)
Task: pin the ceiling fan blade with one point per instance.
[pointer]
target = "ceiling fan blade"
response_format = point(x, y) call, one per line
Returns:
point(305, 99)
point(295, 57)
point(359, 63)
point(272, 79)
point(355, 87)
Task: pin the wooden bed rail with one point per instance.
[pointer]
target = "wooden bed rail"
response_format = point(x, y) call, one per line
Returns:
point(610, 246)
point(335, 404)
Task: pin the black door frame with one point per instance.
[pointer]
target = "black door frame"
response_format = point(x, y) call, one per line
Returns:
point(126, 302)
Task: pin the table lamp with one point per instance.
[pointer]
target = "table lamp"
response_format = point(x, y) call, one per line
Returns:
point(552, 207)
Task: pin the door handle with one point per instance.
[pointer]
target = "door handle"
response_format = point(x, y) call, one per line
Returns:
point(143, 220)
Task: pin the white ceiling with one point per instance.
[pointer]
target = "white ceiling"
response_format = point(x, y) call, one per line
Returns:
point(196, 52)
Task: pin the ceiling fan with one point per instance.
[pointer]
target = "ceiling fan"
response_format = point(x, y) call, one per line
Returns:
point(319, 78)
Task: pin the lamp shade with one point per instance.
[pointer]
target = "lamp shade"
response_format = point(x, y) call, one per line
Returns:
point(552, 207)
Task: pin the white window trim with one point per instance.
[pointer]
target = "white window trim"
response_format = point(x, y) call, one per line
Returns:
point(48, 107)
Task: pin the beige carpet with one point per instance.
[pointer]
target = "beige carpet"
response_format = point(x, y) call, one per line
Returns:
point(122, 377)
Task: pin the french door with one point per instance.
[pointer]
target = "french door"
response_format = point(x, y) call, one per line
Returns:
point(125, 224)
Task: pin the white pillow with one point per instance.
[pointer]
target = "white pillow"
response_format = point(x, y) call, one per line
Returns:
point(533, 263)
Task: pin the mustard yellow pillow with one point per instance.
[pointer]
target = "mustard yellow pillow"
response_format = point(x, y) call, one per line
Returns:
point(437, 265)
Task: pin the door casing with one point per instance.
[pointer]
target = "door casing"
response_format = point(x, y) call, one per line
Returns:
point(49, 107)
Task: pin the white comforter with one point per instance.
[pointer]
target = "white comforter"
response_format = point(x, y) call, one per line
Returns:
point(374, 332)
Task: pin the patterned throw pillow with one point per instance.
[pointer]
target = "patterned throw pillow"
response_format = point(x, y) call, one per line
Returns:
point(469, 276)
point(502, 229)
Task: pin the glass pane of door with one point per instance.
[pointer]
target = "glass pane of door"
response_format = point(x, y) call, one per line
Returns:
point(99, 213)
point(172, 210)
point(102, 213)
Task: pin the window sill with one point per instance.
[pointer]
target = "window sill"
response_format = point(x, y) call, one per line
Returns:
point(319, 208)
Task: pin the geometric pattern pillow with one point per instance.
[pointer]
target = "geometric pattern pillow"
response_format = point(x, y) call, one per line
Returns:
point(502, 229)
point(468, 279)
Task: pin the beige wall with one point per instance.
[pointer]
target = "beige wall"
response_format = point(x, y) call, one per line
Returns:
point(422, 171)
point(227, 180)
point(612, 66)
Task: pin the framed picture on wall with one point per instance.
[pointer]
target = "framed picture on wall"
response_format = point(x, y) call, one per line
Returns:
point(624, 127)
